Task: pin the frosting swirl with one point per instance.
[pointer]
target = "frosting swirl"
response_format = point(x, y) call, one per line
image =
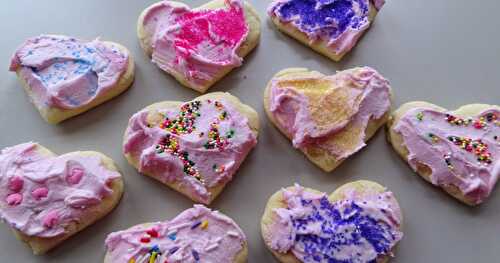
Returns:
point(68, 73)
point(41, 194)
point(196, 44)
point(196, 235)
point(356, 229)
point(199, 144)
point(338, 22)
point(461, 152)
point(329, 112)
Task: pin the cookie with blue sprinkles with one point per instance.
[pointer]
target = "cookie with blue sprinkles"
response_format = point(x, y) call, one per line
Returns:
point(361, 222)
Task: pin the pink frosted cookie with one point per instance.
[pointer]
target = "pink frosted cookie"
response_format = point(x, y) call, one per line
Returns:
point(458, 151)
point(199, 46)
point(46, 198)
point(194, 147)
point(196, 235)
point(328, 118)
point(330, 27)
point(65, 76)
point(359, 222)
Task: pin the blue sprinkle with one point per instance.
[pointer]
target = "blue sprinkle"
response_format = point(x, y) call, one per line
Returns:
point(172, 236)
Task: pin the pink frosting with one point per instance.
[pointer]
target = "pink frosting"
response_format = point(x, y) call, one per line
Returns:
point(34, 195)
point(68, 73)
point(196, 44)
point(369, 95)
point(196, 235)
point(211, 162)
point(436, 139)
point(358, 228)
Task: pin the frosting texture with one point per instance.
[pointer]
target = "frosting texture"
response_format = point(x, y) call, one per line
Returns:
point(338, 22)
point(68, 73)
point(356, 229)
point(196, 235)
point(41, 194)
point(329, 112)
point(463, 152)
point(197, 145)
point(196, 44)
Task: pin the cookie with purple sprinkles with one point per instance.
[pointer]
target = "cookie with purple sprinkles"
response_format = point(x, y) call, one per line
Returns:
point(330, 27)
point(361, 222)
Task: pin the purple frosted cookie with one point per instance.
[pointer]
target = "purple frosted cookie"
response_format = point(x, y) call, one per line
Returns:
point(331, 27)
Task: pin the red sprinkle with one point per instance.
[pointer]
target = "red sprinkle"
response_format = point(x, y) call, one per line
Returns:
point(145, 239)
point(152, 233)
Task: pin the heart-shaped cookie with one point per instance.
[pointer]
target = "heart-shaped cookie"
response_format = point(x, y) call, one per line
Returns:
point(194, 147)
point(330, 27)
point(359, 222)
point(65, 76)
point(458, 151)
point(45, 198)
point(199, 46)
point(329, 118)
point(196, 235)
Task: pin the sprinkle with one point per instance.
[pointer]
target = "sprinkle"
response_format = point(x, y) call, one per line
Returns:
point(153, 257)
point(211, 247)
point(433, 137)
point(420, 116)
point(232, 234)
point(173, 250)
point(152, 233)
point(132, 260)
point(447, 159)
point(196, 225)
point(172, 236)
point(204, 224)
point(196, 256)
point(145, 239)
point(478, 147)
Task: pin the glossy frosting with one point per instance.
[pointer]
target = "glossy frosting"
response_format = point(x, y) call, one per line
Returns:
point(41, 194)
point(329, 112)
point(338, 22)
point(68, 73)
point(198, 144)
point(460, 152)
point(196, 235)
point(359, 228)
point(196, 44)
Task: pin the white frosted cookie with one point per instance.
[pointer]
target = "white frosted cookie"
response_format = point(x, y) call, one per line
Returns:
point(458, 150)
point(331, 28)
point(359, 222)
point(328, 118)
point(196, 235)
point(199, 46)
point(65, 76)
point(194, 147)
point(48, 198)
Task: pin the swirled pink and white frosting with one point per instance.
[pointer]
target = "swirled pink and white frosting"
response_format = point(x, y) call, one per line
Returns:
point(356, 96)
point(68, 73)
point(196, 44)
point(41, 194)
point(196, 235)
point(198, 145)
point(463, 152)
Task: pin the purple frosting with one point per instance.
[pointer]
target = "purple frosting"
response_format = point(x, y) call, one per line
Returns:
point(330, 20)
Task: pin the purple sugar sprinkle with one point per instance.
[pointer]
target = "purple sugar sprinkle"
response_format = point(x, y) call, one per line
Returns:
point(323, 17)
point(323, 248)
point(196, 225)
point(173, 250)
point(196, 256)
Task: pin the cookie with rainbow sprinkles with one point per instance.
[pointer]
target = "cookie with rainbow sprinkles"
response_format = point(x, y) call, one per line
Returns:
point(64, 76)
point(194, 147)
point(330, 27)
point(198, 46)
point(359, 222)
point(196, 235)
point(458, 151)
point(46, 198)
